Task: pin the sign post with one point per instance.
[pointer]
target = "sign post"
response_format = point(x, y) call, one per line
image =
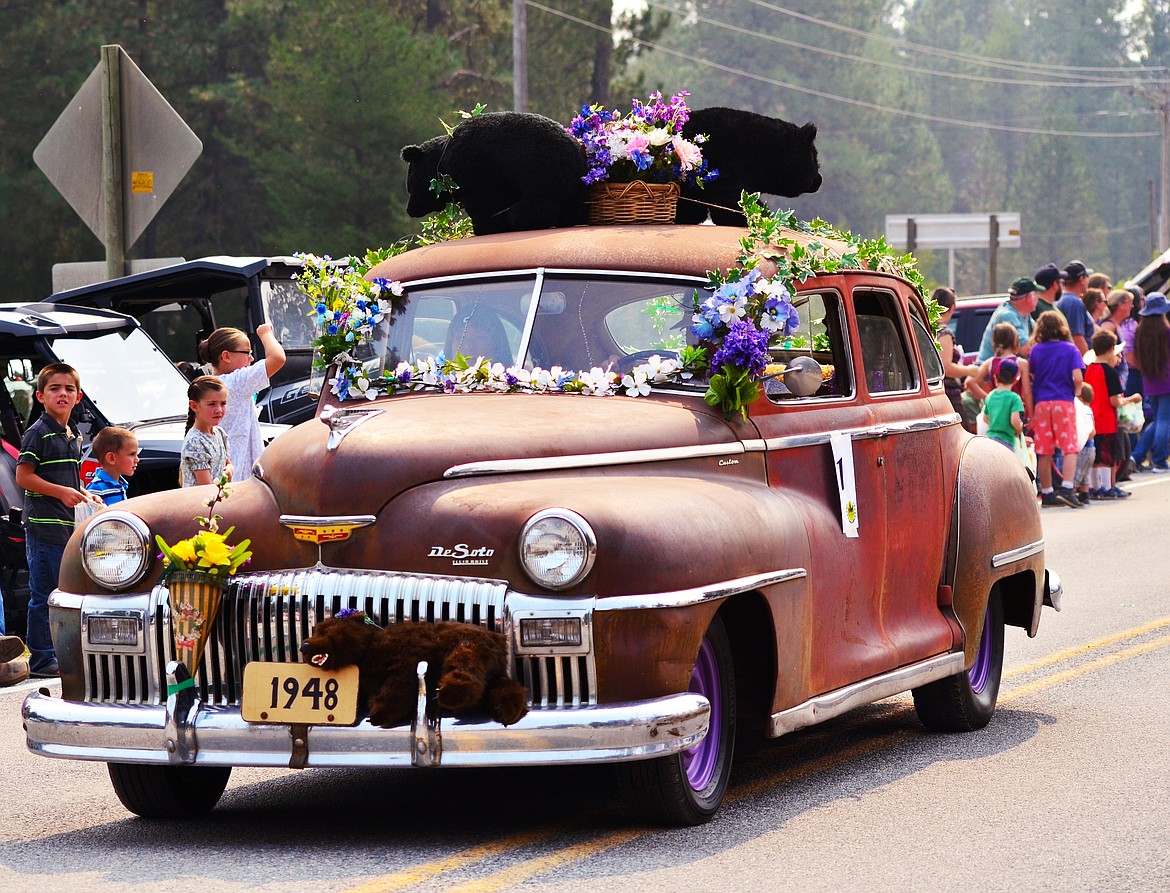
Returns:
point(117, 153)
point(951, 231)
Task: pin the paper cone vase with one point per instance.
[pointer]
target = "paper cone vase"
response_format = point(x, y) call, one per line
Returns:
point(195, 599)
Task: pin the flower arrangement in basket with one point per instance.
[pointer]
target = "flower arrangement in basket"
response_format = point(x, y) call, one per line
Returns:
point(196, 572)
point(636, 161)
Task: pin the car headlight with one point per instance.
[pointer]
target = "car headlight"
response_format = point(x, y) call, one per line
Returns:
point(557, 548)
point(115, 549)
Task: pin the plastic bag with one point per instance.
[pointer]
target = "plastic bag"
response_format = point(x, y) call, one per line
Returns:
point(1130, 418)
point(83, 510)
point(1026, 453)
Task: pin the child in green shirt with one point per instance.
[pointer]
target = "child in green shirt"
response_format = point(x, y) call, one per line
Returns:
point(1003, 409)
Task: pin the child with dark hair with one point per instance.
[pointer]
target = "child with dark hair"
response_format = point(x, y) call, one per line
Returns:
point(49, 470)
point(1005, 344)
point(1003, 409)
point(205, 458)
point(1108, 395)
point(1057, 375)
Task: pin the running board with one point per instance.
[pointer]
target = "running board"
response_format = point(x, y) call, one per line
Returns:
point(834, 703)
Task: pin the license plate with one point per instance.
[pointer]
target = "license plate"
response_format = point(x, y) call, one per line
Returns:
point(299, 693)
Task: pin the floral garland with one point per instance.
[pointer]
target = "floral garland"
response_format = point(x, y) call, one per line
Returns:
point(743, 317)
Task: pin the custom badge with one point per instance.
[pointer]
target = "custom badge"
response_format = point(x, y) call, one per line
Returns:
point(324, 530)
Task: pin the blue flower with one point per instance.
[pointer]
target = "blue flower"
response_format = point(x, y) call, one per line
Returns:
point(331, 328)
point(702, 328)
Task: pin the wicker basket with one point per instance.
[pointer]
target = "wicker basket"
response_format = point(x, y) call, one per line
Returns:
point(635, 202)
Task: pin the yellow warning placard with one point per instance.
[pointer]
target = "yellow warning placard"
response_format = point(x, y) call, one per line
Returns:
point(142, 181)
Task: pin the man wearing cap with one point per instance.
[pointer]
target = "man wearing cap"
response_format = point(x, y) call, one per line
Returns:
point(1048, 278)
point(1017, 310)
point(1072, 304)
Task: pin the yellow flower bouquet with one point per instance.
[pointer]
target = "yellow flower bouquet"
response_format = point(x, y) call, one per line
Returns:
point(196, 574)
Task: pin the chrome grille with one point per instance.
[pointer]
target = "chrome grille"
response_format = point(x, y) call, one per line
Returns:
point(268, 616)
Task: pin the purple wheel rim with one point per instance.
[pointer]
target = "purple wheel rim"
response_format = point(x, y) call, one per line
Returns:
point(977, 675)
point(700, 761)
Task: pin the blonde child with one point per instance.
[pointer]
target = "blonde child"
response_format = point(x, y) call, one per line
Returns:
point(1005, 344)
point(1085, 433)
point(205, 448)
point(117, 451)
point(229, 352)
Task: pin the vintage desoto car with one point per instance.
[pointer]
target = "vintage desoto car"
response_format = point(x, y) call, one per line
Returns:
point(671, 575)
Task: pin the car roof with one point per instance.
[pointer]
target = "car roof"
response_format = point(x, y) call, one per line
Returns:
point(33, 320)
point(669, 249)
point(193, 278)
point(1156, 274)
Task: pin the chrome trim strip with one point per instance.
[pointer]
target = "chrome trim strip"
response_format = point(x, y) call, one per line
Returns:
point(682, 598)
point(870, 433)
point(834, 703)
point(327, 520)
point(220, 737)
point(594, 460)
point(1013, 555)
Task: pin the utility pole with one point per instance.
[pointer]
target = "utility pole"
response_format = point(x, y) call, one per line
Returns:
point(1159, 99)
point(519, 56)
point(114, 223)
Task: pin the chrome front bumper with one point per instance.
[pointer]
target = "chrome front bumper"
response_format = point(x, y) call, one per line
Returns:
point(197, 734)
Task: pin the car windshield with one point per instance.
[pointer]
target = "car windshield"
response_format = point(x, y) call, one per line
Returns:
point(284, 307)
point(578, 323)
point(126, 376)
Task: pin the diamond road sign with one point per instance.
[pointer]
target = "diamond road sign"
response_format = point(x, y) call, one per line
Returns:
point(158, 149)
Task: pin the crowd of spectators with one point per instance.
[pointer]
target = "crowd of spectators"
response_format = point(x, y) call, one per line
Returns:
point(1072, 374)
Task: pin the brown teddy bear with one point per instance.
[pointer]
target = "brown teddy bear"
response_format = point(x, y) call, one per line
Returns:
point(468, 662)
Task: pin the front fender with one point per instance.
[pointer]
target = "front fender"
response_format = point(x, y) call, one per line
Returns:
point(996, 537)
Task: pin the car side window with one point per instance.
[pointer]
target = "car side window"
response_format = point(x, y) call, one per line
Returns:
point(819, 336)
point(885, 359)
point(928, 350)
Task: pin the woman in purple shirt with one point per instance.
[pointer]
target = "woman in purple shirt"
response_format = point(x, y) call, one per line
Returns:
point(1152, 353)
point(1057, 373)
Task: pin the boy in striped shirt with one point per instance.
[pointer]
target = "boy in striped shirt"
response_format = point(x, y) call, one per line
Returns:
point(117, 450)
point(49, 470)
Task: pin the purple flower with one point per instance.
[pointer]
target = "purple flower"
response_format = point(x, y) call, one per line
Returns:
point(744, 347)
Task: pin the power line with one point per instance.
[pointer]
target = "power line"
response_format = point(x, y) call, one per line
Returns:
point(880, 63)
point(902, 44)
point(921, 116)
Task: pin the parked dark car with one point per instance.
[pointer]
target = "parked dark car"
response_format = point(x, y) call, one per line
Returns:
point(970, 320)
point(668, 578)
point(182, 304)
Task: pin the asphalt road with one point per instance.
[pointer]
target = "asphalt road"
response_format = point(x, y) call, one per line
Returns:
point(1066, 790)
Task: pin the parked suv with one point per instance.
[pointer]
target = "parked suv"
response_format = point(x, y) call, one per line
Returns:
point(125, 380)
point(670, 580)
point(180, 305)
point(969, 321)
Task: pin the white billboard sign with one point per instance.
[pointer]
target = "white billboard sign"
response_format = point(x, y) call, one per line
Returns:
point(953, 230)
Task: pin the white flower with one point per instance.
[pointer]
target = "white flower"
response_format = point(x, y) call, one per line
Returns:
point(635, 383)
point(659, 136)
point(689, 155)
point(597, 381)
point(732, 310)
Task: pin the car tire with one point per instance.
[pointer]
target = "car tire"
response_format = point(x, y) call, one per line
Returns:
point(966, 701)
point(687, 788)
point(168, 792)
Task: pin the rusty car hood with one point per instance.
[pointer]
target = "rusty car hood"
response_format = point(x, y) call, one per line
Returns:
point(414, 439)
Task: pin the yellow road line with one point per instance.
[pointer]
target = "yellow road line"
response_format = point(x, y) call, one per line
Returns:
point(462, 859)
point(539, 865)
point(1081, 650)
point(509, 877)
point(1107, 660)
